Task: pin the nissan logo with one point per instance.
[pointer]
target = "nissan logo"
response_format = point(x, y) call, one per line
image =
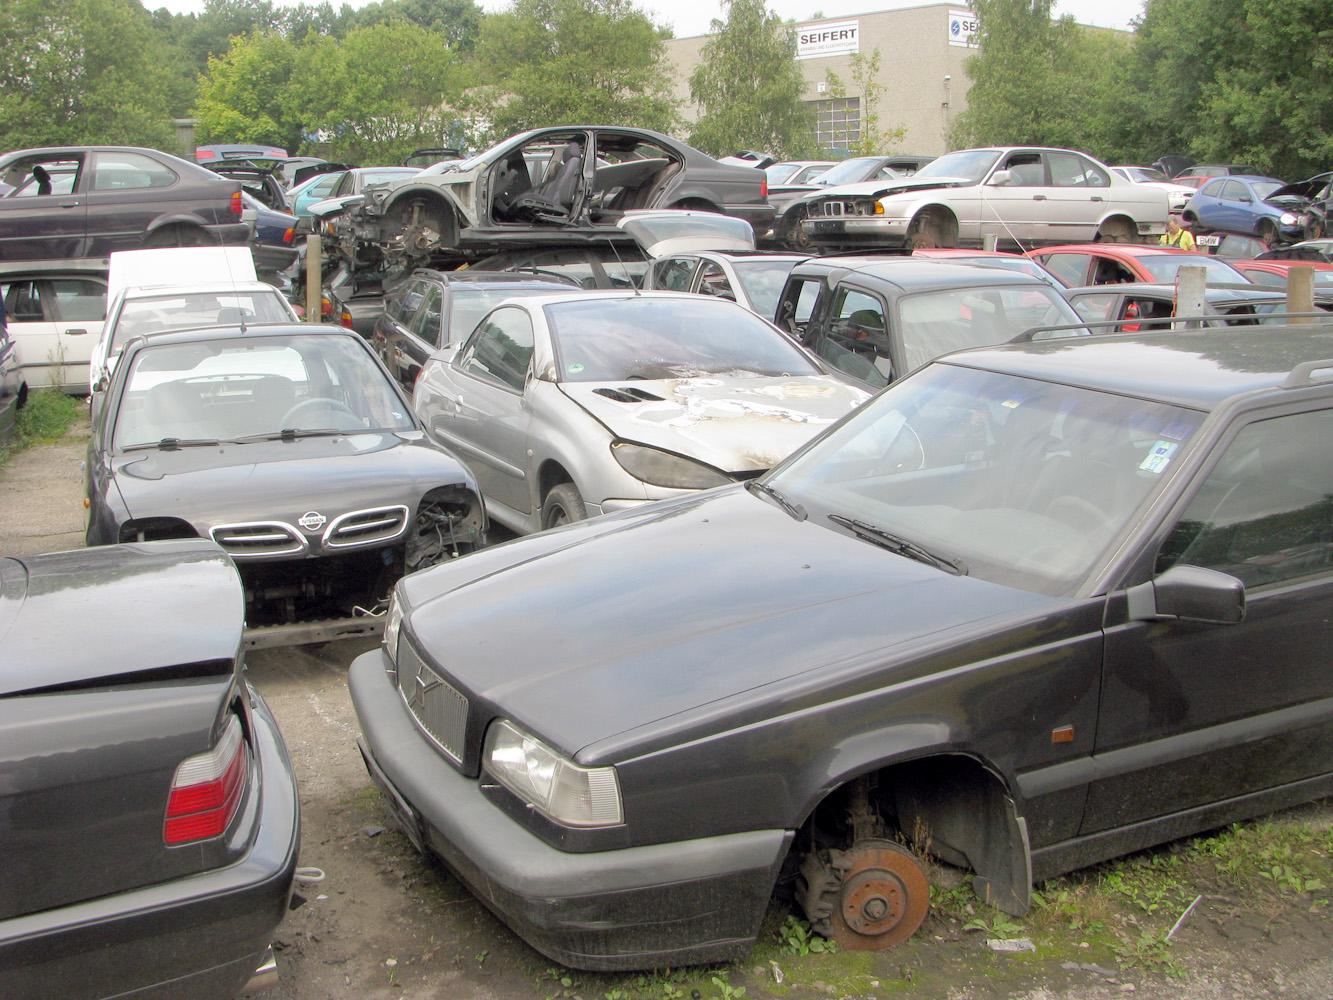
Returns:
point(312, 520)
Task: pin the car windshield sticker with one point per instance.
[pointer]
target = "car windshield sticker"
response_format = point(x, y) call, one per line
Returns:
point(1012, 404)
point(1159, 456)
point(1178, 430)
point(575, 367)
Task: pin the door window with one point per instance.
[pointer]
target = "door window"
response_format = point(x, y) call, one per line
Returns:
point(713, 281)
point(501, 349)
point(404, 305)
point(130, 172)
point(1072, 170)
point(1265, 512)
point(1095, 307)
point(78, 299)
point(23, 302)
point(42, 175)
point(673, 273)
point(1025, 170)
point(798, 304)
point(426, 324)
point(1233, 191)
point(856, 338)
point(1070, 268)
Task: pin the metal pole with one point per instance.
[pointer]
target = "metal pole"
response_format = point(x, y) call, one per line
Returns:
point(1191, 283)
point(1300, 291)
point(989, 242)
point(314, 277)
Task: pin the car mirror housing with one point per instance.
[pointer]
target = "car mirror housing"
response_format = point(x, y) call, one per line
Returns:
point(1189, 593)
point(1000, 178)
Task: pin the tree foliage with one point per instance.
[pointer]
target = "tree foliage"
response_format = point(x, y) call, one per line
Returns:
point(241, 98)
point(567, 61)
point(81, 71)
point(749, 87)
point(873, 140)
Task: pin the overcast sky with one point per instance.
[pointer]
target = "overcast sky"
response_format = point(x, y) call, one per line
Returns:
point(691, 17)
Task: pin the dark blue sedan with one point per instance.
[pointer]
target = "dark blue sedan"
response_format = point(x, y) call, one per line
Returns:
point(272, 240)
point(1239, 204)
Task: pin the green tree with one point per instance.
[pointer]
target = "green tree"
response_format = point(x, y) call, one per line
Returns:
point(82, 71)
point(371, 107)
point(573, 61)
point(748, 87)
point(873, 140)
point(459, 21)
point(241, 97)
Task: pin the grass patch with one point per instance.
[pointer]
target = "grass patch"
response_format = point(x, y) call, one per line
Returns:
point(48, 414)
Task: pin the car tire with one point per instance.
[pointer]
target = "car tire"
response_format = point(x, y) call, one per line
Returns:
point(1268, 232)
point(563, 505)
point(178, 236)
point(796, 238)
point(1116, 231)
point(1315, 229)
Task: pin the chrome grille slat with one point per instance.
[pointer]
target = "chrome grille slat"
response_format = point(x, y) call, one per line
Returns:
point(258, 538)
point(362, 527)
point(439, 709)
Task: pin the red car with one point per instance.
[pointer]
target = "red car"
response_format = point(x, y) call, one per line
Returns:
point(986, 258)
point(1078, 264)
point(1273, 273)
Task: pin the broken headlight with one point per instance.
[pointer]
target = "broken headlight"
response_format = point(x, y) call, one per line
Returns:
point(662, 468)
point(552, 784)
point(393, 623)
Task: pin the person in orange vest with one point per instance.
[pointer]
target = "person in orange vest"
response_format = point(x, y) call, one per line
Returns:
point(1176, 235)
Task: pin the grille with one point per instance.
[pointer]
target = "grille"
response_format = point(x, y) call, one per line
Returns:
point(361, 527)
point(258, 538)
point(837, 209)
point(440, 710)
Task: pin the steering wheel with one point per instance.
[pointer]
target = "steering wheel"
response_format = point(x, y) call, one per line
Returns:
point(315, 402)
point(1079, 513)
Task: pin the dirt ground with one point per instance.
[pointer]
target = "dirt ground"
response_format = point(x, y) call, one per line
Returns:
point(385, 923)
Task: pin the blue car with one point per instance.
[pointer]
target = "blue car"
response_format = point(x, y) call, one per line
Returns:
point(317, 188)
point(272, 241)
point(1239, 204)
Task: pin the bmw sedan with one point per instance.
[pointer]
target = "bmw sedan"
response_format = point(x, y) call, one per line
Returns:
point(572, 405)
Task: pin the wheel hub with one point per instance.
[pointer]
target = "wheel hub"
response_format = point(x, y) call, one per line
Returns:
point(883, 899)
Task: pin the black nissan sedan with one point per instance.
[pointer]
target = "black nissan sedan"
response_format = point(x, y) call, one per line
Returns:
point(1027, 609)
point(292, 448)
point(149, 820)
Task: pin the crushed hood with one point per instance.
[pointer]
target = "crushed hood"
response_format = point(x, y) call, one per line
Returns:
point(901, 185)
point(734, 423)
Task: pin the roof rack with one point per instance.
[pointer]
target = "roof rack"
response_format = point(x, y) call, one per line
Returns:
point(1159, 324)
point(1304, 374)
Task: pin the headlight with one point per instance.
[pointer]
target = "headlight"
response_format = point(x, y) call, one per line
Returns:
point(555, 786)
point(393, 621)
point(662, 468)
point(1288, 219)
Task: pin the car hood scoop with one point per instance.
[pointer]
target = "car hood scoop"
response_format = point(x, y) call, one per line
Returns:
point(734, 422)
point(619, 623)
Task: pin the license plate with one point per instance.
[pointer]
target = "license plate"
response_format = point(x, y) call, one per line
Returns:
point(1207, 241)
point(828, 227)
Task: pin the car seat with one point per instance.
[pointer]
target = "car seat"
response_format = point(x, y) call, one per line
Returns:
point(553, 201)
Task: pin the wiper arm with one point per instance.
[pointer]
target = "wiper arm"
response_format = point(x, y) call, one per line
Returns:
point(174, 444)
point(291, 434)
point(791, 507)
point(899, 545)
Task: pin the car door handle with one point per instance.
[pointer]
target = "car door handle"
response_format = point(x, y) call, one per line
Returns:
point(1097, 197)
point(1038, 197)
point(69, 204)
point(75, 332)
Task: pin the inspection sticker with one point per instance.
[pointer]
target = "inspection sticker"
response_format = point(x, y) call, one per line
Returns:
point(1159, 457)
point(574, 368)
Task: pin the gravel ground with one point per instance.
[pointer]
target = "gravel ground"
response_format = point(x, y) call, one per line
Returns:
point(385, 923)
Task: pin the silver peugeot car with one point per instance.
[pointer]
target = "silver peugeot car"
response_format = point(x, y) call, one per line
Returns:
point(569, 406)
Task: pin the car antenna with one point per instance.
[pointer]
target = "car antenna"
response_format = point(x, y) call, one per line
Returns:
point(226, 259)
point(628, 277)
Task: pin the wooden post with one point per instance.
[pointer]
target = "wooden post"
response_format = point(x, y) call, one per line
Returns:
point(1191, 283)
point(989, 242)
point(314, 278)
point(1300, 291)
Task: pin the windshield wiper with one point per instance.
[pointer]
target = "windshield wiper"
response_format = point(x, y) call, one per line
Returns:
point(899, 545)
point(791, 507)
point(290, 434)
point(173, 444)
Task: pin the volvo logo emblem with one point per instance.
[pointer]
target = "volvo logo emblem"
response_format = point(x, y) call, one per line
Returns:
point(421, 685)
point(312, 520)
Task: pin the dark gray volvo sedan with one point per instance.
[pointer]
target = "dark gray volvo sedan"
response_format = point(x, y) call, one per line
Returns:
point(149, 822)
point(1027, 609)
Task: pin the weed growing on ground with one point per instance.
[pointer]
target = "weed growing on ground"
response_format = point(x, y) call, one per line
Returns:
point(798, 938)
point(48, 414)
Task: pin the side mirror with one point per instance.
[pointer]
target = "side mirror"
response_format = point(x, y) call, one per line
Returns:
point(1189, 593)
point(1000, 178)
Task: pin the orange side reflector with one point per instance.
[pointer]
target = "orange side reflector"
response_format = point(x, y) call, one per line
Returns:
point(1062, 734)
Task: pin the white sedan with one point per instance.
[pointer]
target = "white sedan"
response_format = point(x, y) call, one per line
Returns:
point(1023, 196)
point(572, 405)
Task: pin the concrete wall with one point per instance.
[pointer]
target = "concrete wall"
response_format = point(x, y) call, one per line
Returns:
point(915, 57)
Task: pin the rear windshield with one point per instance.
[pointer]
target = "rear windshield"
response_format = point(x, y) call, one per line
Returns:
point(196, 310)
point(610, 340)
point(1163, 267)
point(468, 305)
point(938, 323)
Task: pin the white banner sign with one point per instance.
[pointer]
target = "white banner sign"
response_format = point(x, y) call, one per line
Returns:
point(829, 38)
point(963, 28)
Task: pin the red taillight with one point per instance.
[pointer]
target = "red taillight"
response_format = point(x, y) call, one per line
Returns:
point(237, 205)
point(325, 307)
point(289, 236)
point(207, 790)
point(763, 186)
point(346, 319)
point(204, 154)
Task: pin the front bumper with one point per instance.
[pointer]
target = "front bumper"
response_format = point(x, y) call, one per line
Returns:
point(640, 907)
point(879, 232)
point(200, 937)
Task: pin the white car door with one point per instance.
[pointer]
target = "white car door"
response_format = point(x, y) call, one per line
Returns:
point(55, 321)
point(1013, 199)
point(1078, 198)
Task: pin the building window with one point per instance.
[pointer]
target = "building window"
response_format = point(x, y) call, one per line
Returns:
point(837, 122)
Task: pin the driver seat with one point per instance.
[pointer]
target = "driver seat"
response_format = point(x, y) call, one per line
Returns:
point(554, 200)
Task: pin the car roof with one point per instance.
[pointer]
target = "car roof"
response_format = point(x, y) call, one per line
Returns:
point(1214, 293)
point(474, 277)
point(618, 295)
point(252, 331)
point(918, 273)
point(1199, 369)
point(218, 287)
point(1125, 249)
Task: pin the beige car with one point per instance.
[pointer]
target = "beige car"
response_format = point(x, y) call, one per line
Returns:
point(1022, 196)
